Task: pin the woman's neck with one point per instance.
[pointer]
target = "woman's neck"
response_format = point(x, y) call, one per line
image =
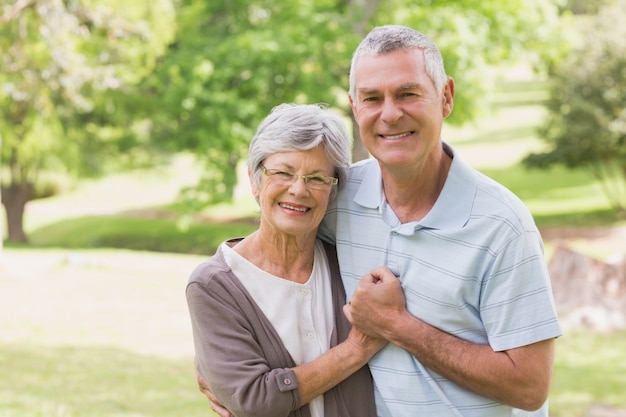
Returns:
point(283, 256)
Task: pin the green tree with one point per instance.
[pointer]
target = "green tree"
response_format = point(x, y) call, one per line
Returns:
point(65, 73)
point(233, 60)
point(587, 6)
point(586, 122)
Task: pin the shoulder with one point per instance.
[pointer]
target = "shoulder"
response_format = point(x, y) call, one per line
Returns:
point(490, 197)
point(495, 198)
point(209, 270)
point(215, 267)
point(360, 168)
point(214, 279)
point(493, 211)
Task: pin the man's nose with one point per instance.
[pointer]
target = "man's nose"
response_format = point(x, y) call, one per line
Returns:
point(391, 112)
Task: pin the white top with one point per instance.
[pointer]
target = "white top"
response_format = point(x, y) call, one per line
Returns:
point(302, 314)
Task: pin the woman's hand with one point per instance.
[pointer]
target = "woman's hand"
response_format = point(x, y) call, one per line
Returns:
point(213, 402)
point(364, 343)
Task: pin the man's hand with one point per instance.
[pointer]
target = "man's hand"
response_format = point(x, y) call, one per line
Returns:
point(519, 377)
point(213, 402)
point(377, 301)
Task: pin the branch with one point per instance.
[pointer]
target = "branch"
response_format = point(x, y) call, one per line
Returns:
point(12, 12)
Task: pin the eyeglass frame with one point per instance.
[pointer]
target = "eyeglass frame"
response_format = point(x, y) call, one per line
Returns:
point(272, 172)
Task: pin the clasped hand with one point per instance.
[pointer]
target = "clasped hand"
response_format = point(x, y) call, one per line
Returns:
point(376, 303)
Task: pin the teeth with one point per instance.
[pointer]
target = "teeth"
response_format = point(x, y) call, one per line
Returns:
point(287, 206)
point(397, 136)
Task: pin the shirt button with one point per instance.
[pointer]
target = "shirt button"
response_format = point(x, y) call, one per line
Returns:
point(304, 291)
point(287, 381)
point(310, 335)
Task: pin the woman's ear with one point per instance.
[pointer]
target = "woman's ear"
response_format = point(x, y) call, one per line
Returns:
point(253, 187)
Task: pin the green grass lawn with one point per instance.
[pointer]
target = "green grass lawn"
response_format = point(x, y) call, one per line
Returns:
point(590, 369)
point(139, 233)
point(67, 381)
point(100, 381)
point(96, 333)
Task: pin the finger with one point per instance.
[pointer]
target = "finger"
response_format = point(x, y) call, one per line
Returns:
point(383, 275)
point(368, 279)
point(212, 398)
point(219, 410)
point(201, 382)
point(347, 311)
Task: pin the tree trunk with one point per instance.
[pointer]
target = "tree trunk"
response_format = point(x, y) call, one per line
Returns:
point(359, 152)
point(360, 13)
point(14, 199)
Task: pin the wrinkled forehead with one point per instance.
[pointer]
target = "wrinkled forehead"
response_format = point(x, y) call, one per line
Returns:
point(400, 69)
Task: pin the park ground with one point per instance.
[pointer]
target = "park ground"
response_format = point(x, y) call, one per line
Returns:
point(133, 301)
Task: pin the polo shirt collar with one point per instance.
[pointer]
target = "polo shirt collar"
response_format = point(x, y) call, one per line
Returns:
point(451, 210)
point(370, 193)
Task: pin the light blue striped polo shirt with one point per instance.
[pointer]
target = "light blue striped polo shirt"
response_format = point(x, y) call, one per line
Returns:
point(473, 267)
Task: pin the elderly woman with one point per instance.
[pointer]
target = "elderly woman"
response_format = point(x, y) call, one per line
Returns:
point(266, 310)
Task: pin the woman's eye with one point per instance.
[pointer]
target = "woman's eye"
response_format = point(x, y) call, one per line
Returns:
point(317, 180)
point(284, 174)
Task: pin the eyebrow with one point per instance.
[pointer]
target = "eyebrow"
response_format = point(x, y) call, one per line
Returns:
point(410, 86)
point(402, 87)
point(285, 166)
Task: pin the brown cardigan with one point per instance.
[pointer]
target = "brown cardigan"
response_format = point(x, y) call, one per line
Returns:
point(242, 358)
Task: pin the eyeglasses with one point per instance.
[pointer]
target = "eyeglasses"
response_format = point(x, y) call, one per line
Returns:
point(317, 182)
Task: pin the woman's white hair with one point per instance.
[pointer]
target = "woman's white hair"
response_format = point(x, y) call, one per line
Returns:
point(300, 127)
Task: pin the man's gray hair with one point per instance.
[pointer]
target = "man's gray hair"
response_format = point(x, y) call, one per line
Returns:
point(300, 127)
point(384, 39)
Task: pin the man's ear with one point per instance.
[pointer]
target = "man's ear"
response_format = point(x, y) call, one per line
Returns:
point(448, 98)
point(352, 105)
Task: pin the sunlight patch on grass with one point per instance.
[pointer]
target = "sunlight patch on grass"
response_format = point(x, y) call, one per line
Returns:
point(116, 193)
point(589, 369)
point(95, 382)
point(558, 196)
point(139, 233)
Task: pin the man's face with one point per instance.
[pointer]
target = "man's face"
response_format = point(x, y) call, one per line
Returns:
point(398, 110)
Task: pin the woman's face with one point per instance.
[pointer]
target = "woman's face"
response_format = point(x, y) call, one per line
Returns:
point(294, 208)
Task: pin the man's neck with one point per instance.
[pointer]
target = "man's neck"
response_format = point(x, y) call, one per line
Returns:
point(413, 194)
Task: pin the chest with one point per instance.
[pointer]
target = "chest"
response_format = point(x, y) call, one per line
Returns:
point(442, 272)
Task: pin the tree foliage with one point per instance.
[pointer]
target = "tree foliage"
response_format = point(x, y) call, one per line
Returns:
point(231, 63)
point(233, 60)
point(473, 34)
point(586, 122)
point(65, 73)
point(90, 85)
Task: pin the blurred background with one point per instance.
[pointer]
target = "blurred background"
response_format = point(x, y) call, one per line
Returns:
point(124, 128)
